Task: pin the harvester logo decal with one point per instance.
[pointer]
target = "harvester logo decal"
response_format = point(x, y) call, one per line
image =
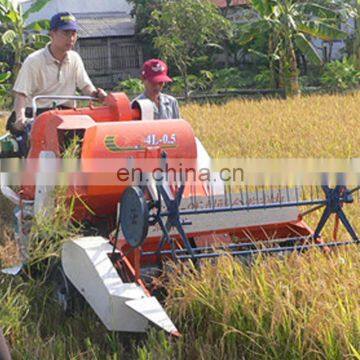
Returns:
point(165, 142)
point(111, 145)
point(158, 68)
point(68, 18)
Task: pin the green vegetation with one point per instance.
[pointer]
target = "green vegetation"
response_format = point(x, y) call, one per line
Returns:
point(355, 39)
point(3, 78)
point(275, 34)
point(289, 26)
point(341, 75)
point(130, 86)
point(19, 39)
point(185, 31)
point(4, 86)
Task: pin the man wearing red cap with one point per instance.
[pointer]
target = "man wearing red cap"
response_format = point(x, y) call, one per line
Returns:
point(154, 76)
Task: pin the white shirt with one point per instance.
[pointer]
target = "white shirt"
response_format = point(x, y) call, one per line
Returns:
point(42, 74)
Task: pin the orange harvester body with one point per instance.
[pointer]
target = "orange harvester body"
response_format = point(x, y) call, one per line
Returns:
point(113, 137)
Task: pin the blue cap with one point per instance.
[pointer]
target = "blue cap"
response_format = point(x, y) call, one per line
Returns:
point(63, 21)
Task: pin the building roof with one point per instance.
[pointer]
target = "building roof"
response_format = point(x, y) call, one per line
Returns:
point(76, 7)
point(95, 25)
point(222, 3)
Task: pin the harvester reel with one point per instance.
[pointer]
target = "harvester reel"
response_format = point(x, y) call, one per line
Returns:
point(134, 216)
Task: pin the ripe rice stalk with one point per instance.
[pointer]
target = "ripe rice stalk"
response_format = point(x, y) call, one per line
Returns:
point(296, 307)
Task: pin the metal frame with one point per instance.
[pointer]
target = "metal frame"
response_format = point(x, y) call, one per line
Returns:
point(59, 97)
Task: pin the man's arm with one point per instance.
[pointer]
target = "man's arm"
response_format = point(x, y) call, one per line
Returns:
point(98, 93)
point(19, 108)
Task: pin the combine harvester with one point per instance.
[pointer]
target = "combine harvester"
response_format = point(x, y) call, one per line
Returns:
point(145, 224)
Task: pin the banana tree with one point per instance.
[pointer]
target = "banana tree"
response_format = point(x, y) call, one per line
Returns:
point(17, 37)
point(3, 78)
point(290, 25)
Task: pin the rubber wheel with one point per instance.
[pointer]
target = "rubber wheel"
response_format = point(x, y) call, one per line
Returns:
point(134, 216)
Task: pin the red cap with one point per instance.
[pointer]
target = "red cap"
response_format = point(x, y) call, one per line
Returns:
point(155, 71)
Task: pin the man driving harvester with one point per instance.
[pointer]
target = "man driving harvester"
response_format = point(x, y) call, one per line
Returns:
point(53, 70)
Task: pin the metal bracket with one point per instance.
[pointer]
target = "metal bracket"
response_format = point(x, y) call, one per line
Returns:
point(335, 198)
point(173, 218)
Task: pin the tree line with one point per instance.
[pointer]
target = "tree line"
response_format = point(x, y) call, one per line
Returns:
point(191, 33)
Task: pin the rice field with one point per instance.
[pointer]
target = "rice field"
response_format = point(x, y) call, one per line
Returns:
point(314, 126)
point(279, 308)
point(294, 308)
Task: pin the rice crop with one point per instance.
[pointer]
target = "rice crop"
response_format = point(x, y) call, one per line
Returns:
point(299, 307)
point(312, 126)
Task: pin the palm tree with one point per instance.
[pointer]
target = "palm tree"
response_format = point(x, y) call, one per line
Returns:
point(289, 25)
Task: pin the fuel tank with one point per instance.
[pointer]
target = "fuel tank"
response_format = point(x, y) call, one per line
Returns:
point(116, 155)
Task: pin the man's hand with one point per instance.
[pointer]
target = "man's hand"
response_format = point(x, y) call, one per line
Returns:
point(19, 125)
point(20, 122)
point(19, 107)
point(99, 94)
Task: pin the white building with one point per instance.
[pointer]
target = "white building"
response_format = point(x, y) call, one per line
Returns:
point(78, 7)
